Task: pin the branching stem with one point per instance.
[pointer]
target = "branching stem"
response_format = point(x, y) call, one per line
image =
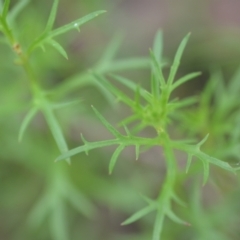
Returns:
point(165, 194)
point(23, 57)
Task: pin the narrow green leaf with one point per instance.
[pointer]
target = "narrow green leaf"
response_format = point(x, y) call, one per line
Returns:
point(82, 204)
point(114, 158)
point(107, 124)
point(184, 79)
point(203, 141)
point(127, 130)
point(189, 161)
point(128, 64)
point(18, 7)
point(155, 89)
point(29, 116)
point(216, 161)
point(209, 90)
point(158, 46)
point(137, 98)
point(148, 200)
point(122, 96)
point(49, 35)
point(177, 59)
point(105, 92)
point(141, 213)
point(130, 84)
point(5, 9)
point(149, 97)
point(205, 171)
point(128, 120)
point(84, 140)
point(87, 147)
point(39, 212)
point(64, 104)
point(75, 24)
point(52, 16)
point(138, 128)
point(38, 42)
point(175, 218)
point(157, 69)
point(157, 79)
point(137, 147)
point(78, 80)
point(124, 140)
point(195, 151)
point(58, 47)
point(178, 200)
point(79, 200)
point(183, 103)
point(56, 130)
point(110, 52)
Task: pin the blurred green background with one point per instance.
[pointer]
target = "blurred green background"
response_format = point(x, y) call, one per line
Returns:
point(43, 200)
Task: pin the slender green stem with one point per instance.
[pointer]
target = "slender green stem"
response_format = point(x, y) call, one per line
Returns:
point(157, 229)
point(6, 30)
point(40, 99)
point(165, 194)
point(23, 57)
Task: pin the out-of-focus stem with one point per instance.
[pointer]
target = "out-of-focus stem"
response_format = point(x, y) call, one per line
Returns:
point(165, 194)
point(23, 58)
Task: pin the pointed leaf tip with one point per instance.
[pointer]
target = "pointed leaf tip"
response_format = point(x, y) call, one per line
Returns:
point(114, 158)
point(189, 160)
point(77, 23)
point(5, 9)
point(29, 116)
point(139, 214)
point(203, 140)
point(175, 218)
point(52, 16)
point(137, 147)
point(177, 59)
point(106, 123)
point(58, 47)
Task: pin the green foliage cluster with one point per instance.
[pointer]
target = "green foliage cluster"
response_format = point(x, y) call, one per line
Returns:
point(209, 121)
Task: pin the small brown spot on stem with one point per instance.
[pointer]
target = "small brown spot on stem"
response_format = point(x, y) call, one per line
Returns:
point(17, 48)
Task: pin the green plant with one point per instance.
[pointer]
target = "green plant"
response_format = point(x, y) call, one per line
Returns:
point(155, 109)
point(59, 187)
point(210, 117)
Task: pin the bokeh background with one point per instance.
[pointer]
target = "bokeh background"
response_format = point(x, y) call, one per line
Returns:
point(43, 200)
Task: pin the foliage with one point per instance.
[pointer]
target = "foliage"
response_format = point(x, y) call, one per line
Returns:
point(208, 125)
